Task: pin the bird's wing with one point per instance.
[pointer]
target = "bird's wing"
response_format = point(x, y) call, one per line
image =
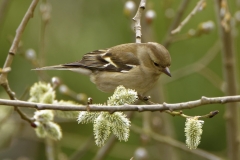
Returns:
point(104, 60)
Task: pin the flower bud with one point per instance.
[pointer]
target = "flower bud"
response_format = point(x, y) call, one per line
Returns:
point(237, 16)
point(56, 81)
point(81, 97)
point(30, 54)
point(141, 154)
point(129, 8)
point(45, 10)
point(150, 16)
point(192, 32)
point(63, 89)
point(206, 27)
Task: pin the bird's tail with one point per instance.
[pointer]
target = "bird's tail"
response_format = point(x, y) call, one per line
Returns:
point(56, 67)
point(65, 67)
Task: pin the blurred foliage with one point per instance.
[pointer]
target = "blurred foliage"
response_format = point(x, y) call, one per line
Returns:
point(77, 27)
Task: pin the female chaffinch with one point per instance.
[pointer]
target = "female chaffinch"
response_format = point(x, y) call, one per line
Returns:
point(134, 65)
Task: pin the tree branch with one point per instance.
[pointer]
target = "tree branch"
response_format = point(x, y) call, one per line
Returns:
point(182, 7)
point(19, 32)
point(3, 10)
point(140, 108)
point(79, 153)
point(137, 19)
point(12, 51)
point(101, 154)
point(146, 100)
point(50, 149)
point(229, 72)
point(196, 66)
point(196, 8)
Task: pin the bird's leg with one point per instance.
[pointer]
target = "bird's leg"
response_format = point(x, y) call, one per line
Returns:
point(145, 99)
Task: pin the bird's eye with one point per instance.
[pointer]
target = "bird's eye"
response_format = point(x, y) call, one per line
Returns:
point(156, 64)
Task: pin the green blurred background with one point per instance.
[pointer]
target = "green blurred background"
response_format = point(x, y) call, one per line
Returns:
point(77, 27)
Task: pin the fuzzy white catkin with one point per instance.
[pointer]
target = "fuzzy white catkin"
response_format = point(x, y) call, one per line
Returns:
point(42, 92)
point(193, 132)
point(43, 116)
point(101, 128)
point(122, 96)
point(104, 123)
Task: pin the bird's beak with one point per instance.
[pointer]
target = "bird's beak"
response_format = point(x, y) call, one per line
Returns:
point(167, 71)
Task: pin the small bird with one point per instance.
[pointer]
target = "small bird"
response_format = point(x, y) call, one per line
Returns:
point(134, 65)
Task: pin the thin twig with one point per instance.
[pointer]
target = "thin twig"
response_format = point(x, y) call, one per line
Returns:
point(229, 72)
point(197, 66)
point(12, 51)
point(140, 108)
point(8, 90)
point(4, 70)
point(79, 153)
point(19, 32)
point(137, 19)
point(12, 96)
point(3, 10)
point(101, 154)
point(50, 149)
point(180, 113)
point(212, 77)
point(182, 7)
point(193, 12)
point(167, 129)
point(24, 116)
point(6, 114)
point(45, 10)
point(174, 143)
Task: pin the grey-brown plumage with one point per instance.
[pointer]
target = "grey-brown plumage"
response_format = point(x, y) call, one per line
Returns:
point(133, 65)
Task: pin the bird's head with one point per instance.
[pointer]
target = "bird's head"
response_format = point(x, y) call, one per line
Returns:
point(160, 58)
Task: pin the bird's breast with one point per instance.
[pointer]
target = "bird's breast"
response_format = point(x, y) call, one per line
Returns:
point(108, 81)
